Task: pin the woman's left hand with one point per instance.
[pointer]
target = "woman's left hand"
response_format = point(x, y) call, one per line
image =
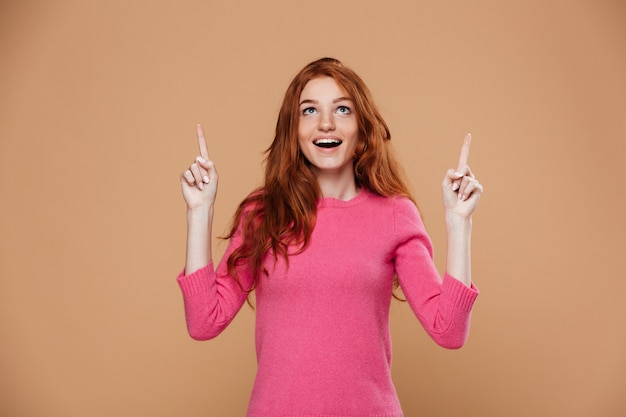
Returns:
point(461, 189)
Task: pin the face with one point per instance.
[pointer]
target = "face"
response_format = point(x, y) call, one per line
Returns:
point(328, 132)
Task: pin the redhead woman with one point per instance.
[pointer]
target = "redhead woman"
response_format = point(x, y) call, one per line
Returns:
point(322, 243)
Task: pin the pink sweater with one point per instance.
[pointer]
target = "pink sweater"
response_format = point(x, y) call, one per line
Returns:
point(322, 325)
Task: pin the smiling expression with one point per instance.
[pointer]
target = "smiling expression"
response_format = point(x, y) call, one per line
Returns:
point(328, 132)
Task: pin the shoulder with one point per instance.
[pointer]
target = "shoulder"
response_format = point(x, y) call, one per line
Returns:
point(400, 210)
point(407, 218)
point(398, 204)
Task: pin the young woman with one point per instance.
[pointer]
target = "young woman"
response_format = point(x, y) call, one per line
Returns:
point(321, 244)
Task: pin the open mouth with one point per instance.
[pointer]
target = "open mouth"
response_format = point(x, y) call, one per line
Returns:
point(327, 143)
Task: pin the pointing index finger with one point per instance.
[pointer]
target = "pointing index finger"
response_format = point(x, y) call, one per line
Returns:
point(464, 153)
point(204, 152)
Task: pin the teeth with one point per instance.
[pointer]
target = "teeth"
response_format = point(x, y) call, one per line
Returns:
point(321, 141)
point(327, 143)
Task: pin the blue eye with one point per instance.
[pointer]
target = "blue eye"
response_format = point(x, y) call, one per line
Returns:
point(344, 110)
point(308, 110)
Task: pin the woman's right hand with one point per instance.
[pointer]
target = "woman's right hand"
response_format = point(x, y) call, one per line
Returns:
point(199, 181)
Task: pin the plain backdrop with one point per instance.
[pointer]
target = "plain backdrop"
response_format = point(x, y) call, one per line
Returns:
point(98, 106)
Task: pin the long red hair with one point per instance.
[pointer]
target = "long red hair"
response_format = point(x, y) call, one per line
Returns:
point(279, 216)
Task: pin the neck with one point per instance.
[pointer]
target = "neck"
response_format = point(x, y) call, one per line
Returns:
point(342, 188)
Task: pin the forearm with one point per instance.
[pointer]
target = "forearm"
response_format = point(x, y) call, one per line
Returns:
point(459, 236)
point(199, 236)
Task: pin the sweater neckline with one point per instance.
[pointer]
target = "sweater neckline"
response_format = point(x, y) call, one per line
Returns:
point(334, 202)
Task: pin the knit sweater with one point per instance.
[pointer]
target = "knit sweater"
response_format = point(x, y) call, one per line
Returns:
point(322, 321)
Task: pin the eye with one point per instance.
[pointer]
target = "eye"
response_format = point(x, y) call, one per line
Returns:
point(344, 110)
point(308, 110)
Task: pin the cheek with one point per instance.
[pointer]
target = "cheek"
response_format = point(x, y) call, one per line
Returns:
point(351, 127)
point(354, 132)
point(301, 135)
point(305, 126)
point(302, 126)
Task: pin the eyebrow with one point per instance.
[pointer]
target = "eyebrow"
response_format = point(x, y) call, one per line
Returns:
point(337, 100)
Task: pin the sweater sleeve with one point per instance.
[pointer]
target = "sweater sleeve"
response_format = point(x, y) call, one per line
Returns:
point(212, 297)
point(443, 307)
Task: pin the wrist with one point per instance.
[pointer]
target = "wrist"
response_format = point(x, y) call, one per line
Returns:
point(200, 210)
point(456, 221)
point(200, 214)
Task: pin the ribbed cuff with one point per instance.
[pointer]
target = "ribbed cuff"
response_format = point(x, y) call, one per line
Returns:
point(458, 293)
point(197, 281)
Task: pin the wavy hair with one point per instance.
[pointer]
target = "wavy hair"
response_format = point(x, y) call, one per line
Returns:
point(279, 216)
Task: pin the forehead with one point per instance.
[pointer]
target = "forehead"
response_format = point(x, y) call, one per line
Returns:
point(322, 87)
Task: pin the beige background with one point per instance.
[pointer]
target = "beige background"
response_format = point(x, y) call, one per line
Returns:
point(98, 103)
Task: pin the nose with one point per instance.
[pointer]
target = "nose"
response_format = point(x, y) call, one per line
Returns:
point(326, 122)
